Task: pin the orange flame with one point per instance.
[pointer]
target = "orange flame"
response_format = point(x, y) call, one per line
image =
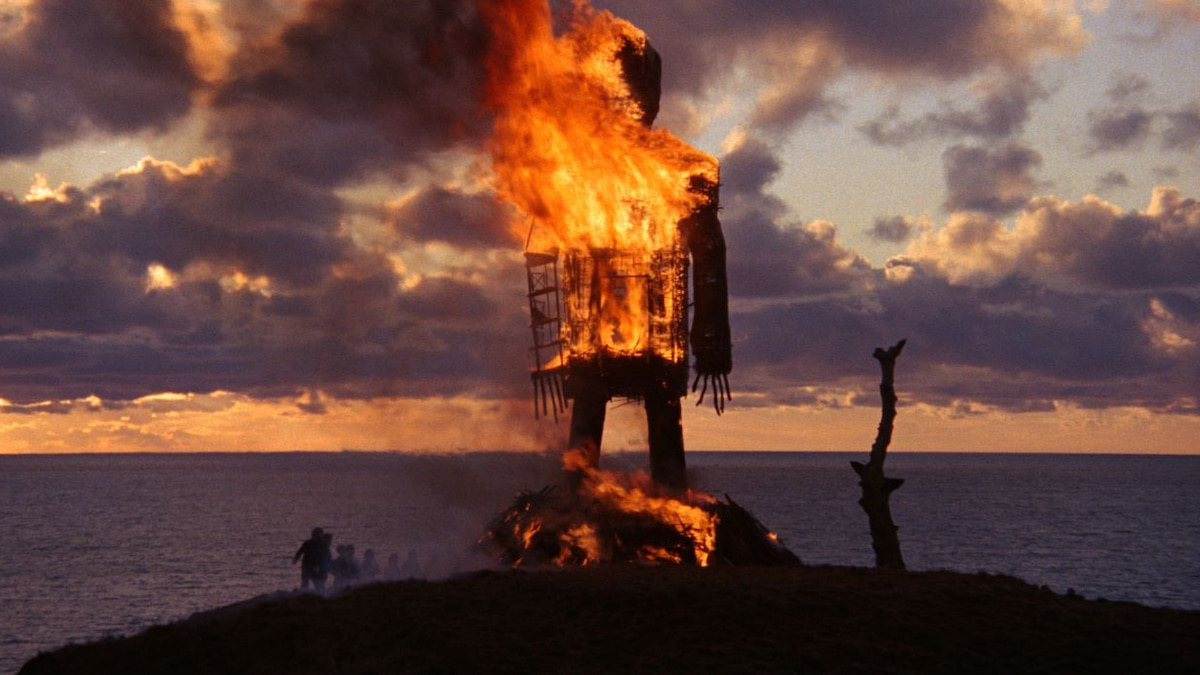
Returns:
point(606, 497)
point(615, 494)
point(617, 517)
point(569, 151)
point(567, 147)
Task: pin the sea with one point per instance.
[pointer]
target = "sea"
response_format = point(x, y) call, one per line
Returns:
point(93, 546)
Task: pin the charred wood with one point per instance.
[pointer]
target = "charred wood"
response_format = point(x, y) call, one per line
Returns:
point(548, 528)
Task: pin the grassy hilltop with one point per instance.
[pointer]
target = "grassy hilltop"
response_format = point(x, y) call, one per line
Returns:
point(639, 619)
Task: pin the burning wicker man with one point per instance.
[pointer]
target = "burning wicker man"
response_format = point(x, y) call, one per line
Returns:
point(614, 209)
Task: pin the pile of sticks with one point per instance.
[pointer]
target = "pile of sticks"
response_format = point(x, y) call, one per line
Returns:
point(537, 530)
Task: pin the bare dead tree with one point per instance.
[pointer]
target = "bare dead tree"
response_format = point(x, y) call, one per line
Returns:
point(876, 488)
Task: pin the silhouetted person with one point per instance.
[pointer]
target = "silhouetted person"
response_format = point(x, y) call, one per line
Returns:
point(327, 551)
point(369, 570)
point(392, 571)
point(412, 566)
point(345, 567)
point(313, 556)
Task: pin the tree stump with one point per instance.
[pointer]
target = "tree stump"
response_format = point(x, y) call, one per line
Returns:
point(876, 488)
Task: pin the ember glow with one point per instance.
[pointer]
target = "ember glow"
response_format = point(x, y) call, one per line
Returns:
point(613, 517)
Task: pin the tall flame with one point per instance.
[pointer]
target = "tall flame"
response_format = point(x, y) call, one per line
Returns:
point(568, 149)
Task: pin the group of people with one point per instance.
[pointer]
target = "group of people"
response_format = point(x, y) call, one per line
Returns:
point(317, 564)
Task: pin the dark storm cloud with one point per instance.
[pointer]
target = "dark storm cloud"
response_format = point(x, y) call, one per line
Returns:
point(352, 87)
point(801, 46)
point(1013, 344)
point(81, 314)
point(1112, 179)
point(1118, 129)
point(54, 281)
point(1000, 113)
point(456, 218)
point(1129, 126)
point(78, 66)
point(444, 299)
point(894, 230)
point(769, 254)
point(1079, 303)
point(1183, 130)
point(990, 180)
point(749, 169)
point(261, 290)
point(258, 224)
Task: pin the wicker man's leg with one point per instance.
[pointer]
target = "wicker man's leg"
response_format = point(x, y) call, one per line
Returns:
point(587, 428)
point(663, 417)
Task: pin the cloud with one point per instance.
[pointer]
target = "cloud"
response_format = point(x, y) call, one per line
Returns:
point(1079, 304)
point(1002, 110)
point(1127, 87)
point(51, 91)
point(995, 181)
point(797, 49)
point(1118, 129)
point(1183, 132)
point(894, 230)
point(1126, 127)
point(1112, 179)
point(1087, 244)
point(211, 212)
point(349, 89)
point(1013, 345)
point(1173, 13)
point(203, 278)
point(769, 254)
point(438, 214)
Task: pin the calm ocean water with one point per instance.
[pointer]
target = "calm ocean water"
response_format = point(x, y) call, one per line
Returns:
point(108, 545)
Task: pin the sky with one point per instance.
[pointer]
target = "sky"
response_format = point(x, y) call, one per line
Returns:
point(268, 225)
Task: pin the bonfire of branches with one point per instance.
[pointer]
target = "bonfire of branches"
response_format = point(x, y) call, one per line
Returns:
point(549, 528)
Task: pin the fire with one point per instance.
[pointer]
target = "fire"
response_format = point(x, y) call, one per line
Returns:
point(570, 150)
point(616, 212)
point(612, 517)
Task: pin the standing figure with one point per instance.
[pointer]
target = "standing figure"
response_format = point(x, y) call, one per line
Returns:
point(369, 570)
point(313, 556)
point(392, 571)
point(621, 330)
point(345, 567)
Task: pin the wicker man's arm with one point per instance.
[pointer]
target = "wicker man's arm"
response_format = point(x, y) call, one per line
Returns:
point(710, 336)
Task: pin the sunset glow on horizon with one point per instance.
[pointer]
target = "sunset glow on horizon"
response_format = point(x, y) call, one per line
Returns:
point(273, 226)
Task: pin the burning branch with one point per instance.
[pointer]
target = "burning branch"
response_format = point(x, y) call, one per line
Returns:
point(619, 518)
